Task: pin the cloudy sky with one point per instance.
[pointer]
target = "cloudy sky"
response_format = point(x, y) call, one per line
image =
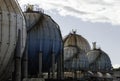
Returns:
point(96, 20)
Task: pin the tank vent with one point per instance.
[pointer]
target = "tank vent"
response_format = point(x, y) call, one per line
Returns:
point(73, 31)
point(94, 45)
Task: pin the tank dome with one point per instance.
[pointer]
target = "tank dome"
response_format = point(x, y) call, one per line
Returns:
point(74, 39)
point(75, 48)
point(99, 60)
point(43, 36)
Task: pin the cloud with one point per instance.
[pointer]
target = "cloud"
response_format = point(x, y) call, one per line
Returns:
point(88, 10)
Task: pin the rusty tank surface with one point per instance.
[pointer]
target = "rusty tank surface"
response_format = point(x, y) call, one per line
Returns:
point(11, 21)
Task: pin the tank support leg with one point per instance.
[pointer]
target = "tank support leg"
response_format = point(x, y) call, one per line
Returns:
point(40, 65)
point(49, 74)
point(17, 69)
point(60, 67)
point(25, 64)
point(53, 65)
point(18, 59)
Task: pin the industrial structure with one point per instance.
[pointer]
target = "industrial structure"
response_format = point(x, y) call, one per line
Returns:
point(75, 58)
point(12, 39)
point(116, 74)
point(32, 49)
point(31, 56)
point(100, 65)
point(44, 41)
point(82, 63)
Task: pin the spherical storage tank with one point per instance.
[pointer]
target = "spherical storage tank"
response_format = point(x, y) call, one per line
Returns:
point(99, 60)
point(44, 37)
point(11, 21)
point(75, 49)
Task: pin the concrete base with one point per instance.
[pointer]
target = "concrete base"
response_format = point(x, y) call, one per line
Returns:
point(33, 79)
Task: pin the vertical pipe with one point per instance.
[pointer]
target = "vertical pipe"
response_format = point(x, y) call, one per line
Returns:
point(40, 64)
point(13, 76)
point(17, 69)
point(53, 65)
point(75, 71)
point(49, 74)
point(25, 63)
point(75, 74)
point(18, 58)
point(60, 67)
point(94, 45)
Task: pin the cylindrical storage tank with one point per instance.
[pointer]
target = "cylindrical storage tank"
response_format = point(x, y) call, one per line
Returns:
point(11, 21)
point(99, 61)
point(75, 50)
point(44, 37)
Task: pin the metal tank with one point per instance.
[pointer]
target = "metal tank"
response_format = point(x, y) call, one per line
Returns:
point(75, 60)
point(74, 39)
point(44, 41)
point(11, 22)
point(99, 60)
point(75, 49)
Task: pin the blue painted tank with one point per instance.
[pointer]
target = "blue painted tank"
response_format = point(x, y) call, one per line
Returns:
point(43, 36)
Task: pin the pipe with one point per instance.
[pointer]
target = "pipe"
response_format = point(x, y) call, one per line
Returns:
point(25, 64)
point(60, 67)
point(18, 58)
point(53, 65)
point(49, 74)
point(40, 65)
point(94, 45)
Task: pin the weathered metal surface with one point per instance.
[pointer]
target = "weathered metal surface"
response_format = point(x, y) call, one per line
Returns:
point(93, 55)
point(79, 63)
point(43, 37)
point(74, 39)
point(99, 61)
point(75, 49)
point(11, 20)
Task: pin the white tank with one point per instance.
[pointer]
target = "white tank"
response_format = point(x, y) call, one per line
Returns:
point(11, 20)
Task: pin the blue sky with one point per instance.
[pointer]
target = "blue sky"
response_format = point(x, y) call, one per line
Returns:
point(98, 21)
